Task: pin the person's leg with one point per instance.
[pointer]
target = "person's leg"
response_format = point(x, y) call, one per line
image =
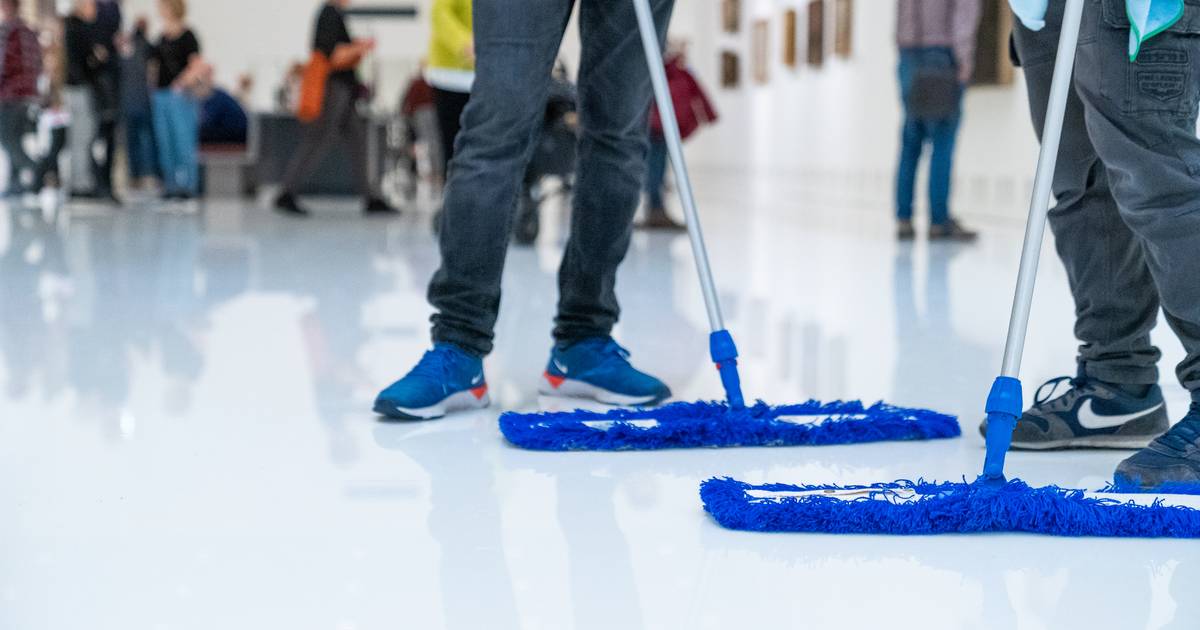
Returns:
point(80, 134)
point(912, 143)
point(614, 100)
point(186, 134)
point(318, 138)
point(449, 106)
point(943, 136)
point(106, 141)
point(16, 124)
point(1142, 118)
point(1116, 303)
point(166, 148)
point(354, 139)
point(656, 170)
point(516, 52)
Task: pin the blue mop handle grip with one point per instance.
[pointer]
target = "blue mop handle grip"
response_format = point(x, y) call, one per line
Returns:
point(1003, 409)
point(724, 354)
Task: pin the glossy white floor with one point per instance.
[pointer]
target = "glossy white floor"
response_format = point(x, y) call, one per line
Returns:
point(186, 438)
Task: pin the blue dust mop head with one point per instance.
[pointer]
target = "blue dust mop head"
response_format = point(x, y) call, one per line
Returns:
point(717, 424)
point(915, 508)
point(713, 424)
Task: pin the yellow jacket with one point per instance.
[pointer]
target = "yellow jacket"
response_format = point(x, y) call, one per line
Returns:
point(451, 35)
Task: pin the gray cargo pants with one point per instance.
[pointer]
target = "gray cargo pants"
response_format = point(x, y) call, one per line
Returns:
point(1127, 218)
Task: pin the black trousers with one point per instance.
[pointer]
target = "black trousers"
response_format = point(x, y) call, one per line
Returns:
point(449, 106)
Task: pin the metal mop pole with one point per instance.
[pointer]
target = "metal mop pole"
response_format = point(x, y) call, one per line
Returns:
point(721, 346)
point(1005, 401)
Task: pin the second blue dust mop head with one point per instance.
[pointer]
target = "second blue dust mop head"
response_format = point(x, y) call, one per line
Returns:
point(991, 503)
point(714, 424)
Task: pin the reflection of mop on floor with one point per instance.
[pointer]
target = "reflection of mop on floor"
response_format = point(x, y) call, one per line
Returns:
point(714, 424)
point(992, 502)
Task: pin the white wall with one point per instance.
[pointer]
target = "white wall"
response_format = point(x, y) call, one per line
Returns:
point(840, 122)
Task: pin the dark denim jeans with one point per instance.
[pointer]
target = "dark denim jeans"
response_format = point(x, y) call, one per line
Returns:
point(516, 51)
point(656, 172)
point(1127, 217)
point(915, 133)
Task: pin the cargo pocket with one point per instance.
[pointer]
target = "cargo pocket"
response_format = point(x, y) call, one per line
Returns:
point(1163, 80)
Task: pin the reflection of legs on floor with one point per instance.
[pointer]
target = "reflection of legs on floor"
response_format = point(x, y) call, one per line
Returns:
point(599, 560)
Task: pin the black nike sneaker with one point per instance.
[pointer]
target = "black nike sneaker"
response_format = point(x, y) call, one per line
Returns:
point(1090, 414)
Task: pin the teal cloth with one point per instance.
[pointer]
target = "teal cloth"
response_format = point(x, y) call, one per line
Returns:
point(1147, 18)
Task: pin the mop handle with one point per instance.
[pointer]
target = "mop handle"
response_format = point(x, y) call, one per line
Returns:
point(720, 343)
point(1043, 182)
point(670, 125)
point(1005, 401)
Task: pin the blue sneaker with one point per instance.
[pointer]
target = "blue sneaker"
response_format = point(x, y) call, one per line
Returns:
point(1171, 460)
point(1090, 414)
point(599, 369)
point(446, 379)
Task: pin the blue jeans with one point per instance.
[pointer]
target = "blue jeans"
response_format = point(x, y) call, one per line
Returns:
point(656, 171)
point(177, 131)
point(516, 52)
point(139, 142)
point(942, 134)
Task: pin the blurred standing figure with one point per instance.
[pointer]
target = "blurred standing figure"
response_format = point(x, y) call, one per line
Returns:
point(20, 67)
point(694, 110)
point(935, 37)
point(107, 93)
point(176, 115)
point(136, 108)
point(339, 120)
point(451, 69)
point(79, 97)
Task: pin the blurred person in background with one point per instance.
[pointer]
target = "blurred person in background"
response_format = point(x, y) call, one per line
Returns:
point(176, 115)
point(937, 58)
point(20, 69)
point(136, 106)
point(84, 58)
point(54, 118)
point(516, 50)
point(339, 120)
point(223, 120)
point(694, 111)
point(450, 69)
point(106, 89)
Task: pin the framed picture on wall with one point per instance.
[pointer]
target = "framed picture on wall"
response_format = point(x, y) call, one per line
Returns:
point(789, 38)
point(992, 63)
point(730, 69)
point(816, 32)
point(731, 15)
point(843, 33)
point(759, 46)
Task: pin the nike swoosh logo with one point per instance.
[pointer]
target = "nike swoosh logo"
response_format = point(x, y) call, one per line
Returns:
point(1089, 419)
point(560, 367)
point(477, 380)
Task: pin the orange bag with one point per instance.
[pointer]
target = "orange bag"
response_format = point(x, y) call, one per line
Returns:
point(312, 87)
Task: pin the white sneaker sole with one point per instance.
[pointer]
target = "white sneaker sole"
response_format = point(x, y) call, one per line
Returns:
point(570, 388)
point(1115, 443)
point(462, 401)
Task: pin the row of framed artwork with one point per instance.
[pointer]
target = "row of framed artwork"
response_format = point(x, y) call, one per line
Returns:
point(992, 63)
point(815, 40)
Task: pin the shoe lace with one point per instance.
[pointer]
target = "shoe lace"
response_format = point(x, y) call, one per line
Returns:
point(435, 365)
point(1047, 390)
point(611, 353)
point(1184, 435)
